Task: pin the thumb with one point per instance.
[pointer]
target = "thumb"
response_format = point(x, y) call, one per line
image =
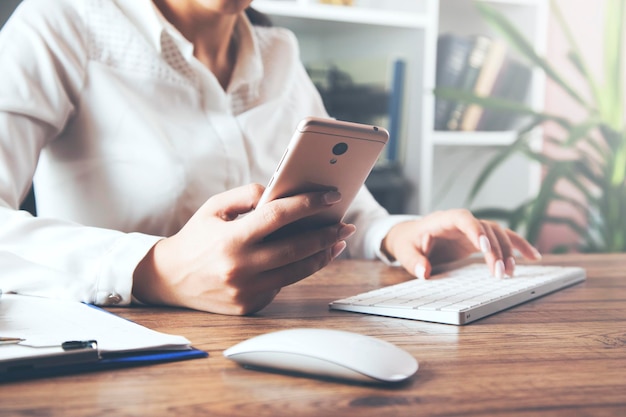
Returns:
point(230, 204)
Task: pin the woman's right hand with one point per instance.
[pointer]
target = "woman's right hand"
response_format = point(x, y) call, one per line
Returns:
point(222, 263)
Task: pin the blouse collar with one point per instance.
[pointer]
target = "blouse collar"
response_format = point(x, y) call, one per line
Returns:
point(153, 25)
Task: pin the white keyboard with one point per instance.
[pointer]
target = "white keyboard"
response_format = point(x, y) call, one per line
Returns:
point(462, 295)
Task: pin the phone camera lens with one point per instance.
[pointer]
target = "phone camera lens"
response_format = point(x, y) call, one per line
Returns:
point(340, 148)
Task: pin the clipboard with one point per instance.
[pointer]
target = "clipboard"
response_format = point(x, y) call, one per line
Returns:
point(18, 359)
point(56, 337)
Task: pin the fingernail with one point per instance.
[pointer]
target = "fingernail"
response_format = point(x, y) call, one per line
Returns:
point(485, 246)
point(510, 265)
point(338, 248)
point(420, 272)
point(346, 231)
point(331, 197)
point(500, 269)
point(537, 254)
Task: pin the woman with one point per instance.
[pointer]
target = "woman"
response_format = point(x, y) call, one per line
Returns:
point(148, 127)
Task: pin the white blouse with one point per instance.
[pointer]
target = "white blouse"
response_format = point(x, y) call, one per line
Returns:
point(126, 134)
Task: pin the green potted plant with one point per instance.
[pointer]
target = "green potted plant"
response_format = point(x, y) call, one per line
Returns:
point(591, 153)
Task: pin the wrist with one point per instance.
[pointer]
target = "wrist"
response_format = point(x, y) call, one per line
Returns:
point(385, 251)
point(147, 278)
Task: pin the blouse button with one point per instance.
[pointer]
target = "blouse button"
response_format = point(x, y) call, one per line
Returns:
point(113, 299)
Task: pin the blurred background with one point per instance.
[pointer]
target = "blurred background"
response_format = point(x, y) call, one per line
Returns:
point(484, 100)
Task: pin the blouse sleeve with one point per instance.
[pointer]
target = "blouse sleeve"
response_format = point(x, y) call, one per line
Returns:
point(42, 61)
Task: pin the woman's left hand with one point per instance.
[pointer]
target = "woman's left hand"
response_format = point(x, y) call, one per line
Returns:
point(450, 235)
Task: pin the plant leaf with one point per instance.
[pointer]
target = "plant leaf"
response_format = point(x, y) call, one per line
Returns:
point(593, 151)
point(498, 104)
point(493, 164)
point(619, 167)
point(575, 55)
point(578, 63)
point(613, 104)
point(492, 213)
point(514, 217)
point(449, 93)
point(581, 130)
point(577, 205)
point(519, 145)
point(545, 197)
point(579, 229)
point(515, 37)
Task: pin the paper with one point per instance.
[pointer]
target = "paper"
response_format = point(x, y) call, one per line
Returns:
point(47, 323)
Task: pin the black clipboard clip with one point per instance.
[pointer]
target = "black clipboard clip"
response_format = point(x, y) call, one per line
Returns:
point(42, 361)
point(80, 344)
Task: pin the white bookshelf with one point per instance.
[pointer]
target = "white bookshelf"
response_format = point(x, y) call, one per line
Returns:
point(440, 166)
point(468, 152)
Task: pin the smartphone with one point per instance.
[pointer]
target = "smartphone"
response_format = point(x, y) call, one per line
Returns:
point(326, 154)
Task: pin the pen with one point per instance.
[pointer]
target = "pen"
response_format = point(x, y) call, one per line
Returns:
point(10, 340)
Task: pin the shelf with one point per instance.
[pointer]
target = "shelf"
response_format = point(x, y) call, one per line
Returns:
point(443, 138)
point(516, 2)
point(345, 14)
point(409, 29)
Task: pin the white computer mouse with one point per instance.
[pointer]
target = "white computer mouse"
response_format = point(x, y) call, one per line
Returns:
point(326, 353)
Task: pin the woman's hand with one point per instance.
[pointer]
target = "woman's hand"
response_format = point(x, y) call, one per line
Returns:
point(222, 263)
point(451, 235)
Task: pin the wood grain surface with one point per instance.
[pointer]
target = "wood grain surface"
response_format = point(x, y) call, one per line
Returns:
point(561, 355)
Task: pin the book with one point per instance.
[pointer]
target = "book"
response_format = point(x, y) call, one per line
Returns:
point(512, 84)
point(492, 66)
point(452, 52)
point(474, 63)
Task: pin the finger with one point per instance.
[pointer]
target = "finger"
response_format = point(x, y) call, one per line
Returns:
point(473, 229)
point(258, 301)
point(276, 253)
point(421, 266)
point(527, 250)
point(502, 246)
point(232, 203)
point(493, 257)
point(276, 214)
point(414, 258)
point(290, 274)
point(452, 224)
point(506, 249)
point(480, 234)
point(243, 303)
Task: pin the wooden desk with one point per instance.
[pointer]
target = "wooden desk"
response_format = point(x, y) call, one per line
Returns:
point(561, 355)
